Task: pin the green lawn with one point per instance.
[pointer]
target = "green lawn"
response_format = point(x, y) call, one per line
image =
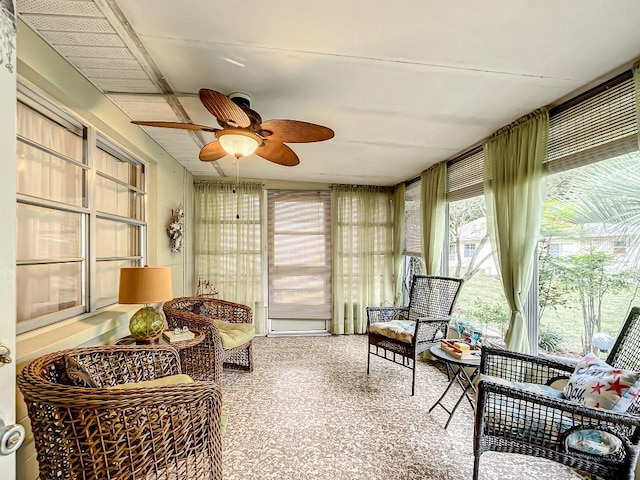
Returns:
point(566, 320)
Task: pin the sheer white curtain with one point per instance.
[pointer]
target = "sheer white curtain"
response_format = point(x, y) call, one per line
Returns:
point(363, 256)
point(399, 240)
point(228, 232)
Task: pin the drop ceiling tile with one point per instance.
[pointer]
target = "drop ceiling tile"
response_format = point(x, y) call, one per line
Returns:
point(59, 23)
point(80, 38)
point(91, 51)
point(124, 85)
point(108, 73)
point(57, 7)
point(115, 63)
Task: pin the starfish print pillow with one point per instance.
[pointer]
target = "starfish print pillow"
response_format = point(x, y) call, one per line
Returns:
point(597, 384)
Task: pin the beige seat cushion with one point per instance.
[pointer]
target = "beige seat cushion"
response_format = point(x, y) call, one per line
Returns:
point(235, 334)
point(156, 382)
point(401, 330)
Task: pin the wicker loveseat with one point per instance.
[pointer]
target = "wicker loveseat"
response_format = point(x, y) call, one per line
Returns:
point(228, 330)
point(141, 432)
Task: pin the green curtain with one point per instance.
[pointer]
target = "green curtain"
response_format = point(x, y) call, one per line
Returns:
point(514, 184)
point(433, 201)
point(398, 240)
point(228, 225)
point(363, 257)
point(636, 87)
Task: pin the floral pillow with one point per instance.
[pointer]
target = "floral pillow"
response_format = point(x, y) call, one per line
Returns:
point(597, 384)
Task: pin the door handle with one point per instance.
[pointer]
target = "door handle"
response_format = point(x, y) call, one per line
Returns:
point(5, 354)
point(11, 437)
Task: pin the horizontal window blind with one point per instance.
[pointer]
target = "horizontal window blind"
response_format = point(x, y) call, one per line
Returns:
point(599, 127)
point(413, 221)
point(464, 176)
point(299, 255)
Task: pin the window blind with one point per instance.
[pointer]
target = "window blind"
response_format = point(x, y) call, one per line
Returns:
point(413, 221)
point(299, 233)
point(602, 125)
point(597, 125)
point(464, 175)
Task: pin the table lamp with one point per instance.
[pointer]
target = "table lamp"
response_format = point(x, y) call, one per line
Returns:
point(145, 285)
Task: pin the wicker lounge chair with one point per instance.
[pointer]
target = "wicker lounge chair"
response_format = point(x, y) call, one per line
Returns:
point(145, 432)
point(228, 330)
point(431, 302)
point(515, 420)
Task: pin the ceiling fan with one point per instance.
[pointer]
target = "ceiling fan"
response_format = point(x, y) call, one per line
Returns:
point(243, 132)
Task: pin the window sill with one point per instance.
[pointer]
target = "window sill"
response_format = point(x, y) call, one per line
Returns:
point(101, 327)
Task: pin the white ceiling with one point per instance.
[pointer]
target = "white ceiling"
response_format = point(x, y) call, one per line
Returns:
point(403, 84)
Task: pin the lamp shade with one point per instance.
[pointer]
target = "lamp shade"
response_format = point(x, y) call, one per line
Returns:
point(145, 285)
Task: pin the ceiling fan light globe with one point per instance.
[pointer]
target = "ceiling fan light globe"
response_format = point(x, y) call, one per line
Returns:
point(238, 144)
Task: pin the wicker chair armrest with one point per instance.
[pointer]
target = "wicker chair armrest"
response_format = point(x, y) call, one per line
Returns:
point(497, 404)
point(386, 314)
point(427, 328)
point(519, 367)
point(195, 321)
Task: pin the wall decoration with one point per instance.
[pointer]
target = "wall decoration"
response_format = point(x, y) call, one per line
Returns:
point(175, 230)
point(7, 34)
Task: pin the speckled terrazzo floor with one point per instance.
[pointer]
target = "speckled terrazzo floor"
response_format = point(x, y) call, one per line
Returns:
point(310, 411)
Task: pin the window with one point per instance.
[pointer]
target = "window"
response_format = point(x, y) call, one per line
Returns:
point(299, 256)
point(589, 280)
point(481, 302)
point(69, 251)
point(469, 250)
point(588, 255)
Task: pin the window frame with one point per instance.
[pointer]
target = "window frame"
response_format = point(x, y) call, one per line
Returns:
point(91, 139)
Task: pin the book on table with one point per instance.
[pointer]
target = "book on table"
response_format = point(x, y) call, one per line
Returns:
point(173, 337)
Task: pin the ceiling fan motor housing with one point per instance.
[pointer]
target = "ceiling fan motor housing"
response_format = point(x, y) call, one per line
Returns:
point(240, 99)
point(243, 100)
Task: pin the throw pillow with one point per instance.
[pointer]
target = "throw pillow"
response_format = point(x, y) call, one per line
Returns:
point(77, 374)
point(156, 382)
point(594, 442)
point(597, 384)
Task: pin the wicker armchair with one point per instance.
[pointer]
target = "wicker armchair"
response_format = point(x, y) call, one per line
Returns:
point(206, 360)
point(539, 425)
point(156, 432)
point(431, 301)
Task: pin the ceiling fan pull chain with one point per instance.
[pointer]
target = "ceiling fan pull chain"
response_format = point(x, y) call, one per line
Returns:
point(235, 190)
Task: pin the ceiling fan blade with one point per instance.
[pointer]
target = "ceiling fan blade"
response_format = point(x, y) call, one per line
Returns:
point(221, 107)
point(277, 152)
point(294, 131)
point(184, 126)
point(212, 151)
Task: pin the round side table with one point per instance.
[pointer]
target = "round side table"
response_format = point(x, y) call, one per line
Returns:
point(457, 375)
point(179, 345)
